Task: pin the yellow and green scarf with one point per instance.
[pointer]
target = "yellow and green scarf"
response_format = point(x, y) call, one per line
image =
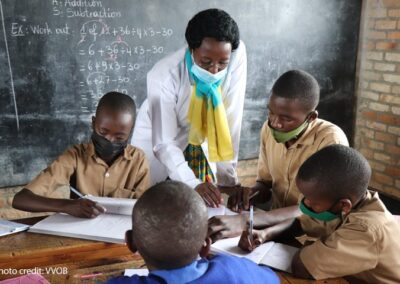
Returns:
point(207, 118)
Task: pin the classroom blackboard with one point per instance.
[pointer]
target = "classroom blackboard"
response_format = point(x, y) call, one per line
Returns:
point(59, 56)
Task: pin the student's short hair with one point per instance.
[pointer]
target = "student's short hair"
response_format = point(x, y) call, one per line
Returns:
point(118, 102)
point(300, 85)
point(213, 23)
point(339, 171)
point(169, 225)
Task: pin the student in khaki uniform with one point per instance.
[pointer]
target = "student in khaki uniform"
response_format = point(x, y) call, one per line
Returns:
point(292, 133)
point(363, 243)
point(106, 166)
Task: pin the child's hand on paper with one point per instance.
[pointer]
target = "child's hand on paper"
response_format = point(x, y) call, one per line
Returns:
point(83, 208)
point(249, 244)
point(221, 227)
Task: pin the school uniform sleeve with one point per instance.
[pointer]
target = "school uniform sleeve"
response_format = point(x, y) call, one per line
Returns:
point(143, 176)
point(331, 135)
point(234, 104)
point(349, 250)
point(161, 93)
point(263, 172)
point(56, 175)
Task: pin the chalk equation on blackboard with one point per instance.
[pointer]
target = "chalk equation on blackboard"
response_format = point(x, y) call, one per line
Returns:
point(109, 55)
point(9, 65)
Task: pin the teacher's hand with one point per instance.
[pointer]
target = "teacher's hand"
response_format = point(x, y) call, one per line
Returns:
point(210, 194)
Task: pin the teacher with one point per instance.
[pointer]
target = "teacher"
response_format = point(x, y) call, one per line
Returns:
point(189, 125)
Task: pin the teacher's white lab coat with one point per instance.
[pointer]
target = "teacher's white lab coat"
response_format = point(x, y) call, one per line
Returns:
point(162, 127)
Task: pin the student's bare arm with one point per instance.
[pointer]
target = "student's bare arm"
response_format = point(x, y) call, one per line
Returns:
point(26, 200)
point(298, 268)
point(220, 227)
point(286, 229)
point(264, 219)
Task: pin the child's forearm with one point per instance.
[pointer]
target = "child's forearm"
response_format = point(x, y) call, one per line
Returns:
point(269, 218)
point(282, 229)
point(26, 200)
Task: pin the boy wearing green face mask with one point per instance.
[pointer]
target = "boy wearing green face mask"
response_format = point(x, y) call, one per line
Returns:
point(363, 242)
point(292, 133)
point(106, 166)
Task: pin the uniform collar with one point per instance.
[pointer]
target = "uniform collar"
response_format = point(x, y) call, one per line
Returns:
point(184, 274)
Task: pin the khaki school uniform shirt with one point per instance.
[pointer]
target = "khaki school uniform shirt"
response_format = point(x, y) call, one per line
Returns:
point(280, 165)
point(365, 245)
point(127, 177)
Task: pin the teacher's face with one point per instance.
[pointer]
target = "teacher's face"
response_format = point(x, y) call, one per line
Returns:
point(213, 55)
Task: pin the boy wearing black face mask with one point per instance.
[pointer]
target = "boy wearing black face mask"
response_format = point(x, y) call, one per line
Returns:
point(362, 242)
point(106, 166)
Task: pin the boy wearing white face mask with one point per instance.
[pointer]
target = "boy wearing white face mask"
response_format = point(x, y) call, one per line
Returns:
point(193, 112)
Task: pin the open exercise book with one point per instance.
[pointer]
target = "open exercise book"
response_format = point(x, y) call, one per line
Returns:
point(275, 255)
point(108, 227)
point(10, 227)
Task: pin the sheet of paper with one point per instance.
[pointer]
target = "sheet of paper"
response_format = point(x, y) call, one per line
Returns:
point(280, 257)
point(230, 246)
point(220, 210)
point(140, 272)
point(122, 206)
point(105, 227)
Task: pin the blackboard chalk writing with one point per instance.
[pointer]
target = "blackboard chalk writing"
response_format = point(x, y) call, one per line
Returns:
point(100, 78)
point(105, 66)
point(85, 13)
point(41, 29)
point(45, 29)
point(64, 30)
point(17, 29)
point(83, 9)
point(81, 3)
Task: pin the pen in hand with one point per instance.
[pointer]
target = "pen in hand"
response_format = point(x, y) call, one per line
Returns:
point(76, 192)
point(82, 196)
point(251, 217)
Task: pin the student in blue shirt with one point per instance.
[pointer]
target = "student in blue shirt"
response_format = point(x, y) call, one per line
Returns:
point(169, 231)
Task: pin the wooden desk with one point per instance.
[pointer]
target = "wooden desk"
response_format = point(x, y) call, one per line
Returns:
point(75, 257)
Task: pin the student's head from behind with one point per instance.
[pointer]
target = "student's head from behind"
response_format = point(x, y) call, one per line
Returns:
point(212, 35)
point(169, 226)
point(294, 98)
point(333, 180)
point(113, 124)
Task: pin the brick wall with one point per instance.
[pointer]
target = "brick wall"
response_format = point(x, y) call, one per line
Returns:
point(378, 109)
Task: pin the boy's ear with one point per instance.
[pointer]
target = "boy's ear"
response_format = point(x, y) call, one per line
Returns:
point(313, 115)
point(346, 205)
point(130, 242)
point(205, 249)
